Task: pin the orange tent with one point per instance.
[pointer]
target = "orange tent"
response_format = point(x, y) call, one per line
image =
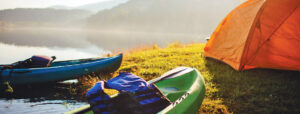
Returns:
point(259, 34)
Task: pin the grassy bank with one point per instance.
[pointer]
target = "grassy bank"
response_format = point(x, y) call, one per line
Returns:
point(228, 91)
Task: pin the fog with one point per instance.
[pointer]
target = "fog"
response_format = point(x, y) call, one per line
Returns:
point(83, 38)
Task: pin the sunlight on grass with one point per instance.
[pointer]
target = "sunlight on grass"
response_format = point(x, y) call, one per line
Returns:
point(227, 90)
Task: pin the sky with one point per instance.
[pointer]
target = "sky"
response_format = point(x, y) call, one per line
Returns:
point(10, 4)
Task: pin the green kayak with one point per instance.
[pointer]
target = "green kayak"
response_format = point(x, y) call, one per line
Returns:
point(183, 86)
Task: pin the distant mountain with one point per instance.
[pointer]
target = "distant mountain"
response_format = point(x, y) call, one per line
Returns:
point(164, 16)
point(93, 7)
point(60, 7)
point(159, 16)
point(58, 15)
point(38, 17)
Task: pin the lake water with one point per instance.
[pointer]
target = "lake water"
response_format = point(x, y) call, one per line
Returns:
point(66, 44)
point(20, 44)
point(24, 106)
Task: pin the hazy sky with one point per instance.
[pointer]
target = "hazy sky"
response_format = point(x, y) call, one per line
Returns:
point(8, 4)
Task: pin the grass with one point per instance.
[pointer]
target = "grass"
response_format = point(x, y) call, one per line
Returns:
point(227, 90)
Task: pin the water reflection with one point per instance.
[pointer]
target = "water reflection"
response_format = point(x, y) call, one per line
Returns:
point(45, 37)
point(41, 98)
point(17, 106)
point(13, 53)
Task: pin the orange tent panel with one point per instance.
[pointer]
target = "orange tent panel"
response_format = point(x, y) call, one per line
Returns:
point(282, 49)
point(228, 40)
point(259, 34)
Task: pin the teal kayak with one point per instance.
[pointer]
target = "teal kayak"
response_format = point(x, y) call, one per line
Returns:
point(183, 86)
point(60, 70)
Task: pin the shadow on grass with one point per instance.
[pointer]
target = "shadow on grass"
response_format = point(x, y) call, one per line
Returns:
point(257, 90)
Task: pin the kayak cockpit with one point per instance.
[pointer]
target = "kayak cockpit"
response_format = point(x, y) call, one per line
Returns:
point(174, 88)
point(81, 61)
point(73, 62)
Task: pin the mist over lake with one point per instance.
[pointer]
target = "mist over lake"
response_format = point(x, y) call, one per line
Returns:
point(79, 43)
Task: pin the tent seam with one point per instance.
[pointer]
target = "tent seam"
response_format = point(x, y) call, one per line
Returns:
point(245, 52)
point(247, 43)
point(256, 52)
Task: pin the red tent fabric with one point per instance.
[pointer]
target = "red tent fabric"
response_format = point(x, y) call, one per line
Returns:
point(259, 34)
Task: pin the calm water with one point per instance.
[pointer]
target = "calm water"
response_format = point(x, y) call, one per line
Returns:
point(24, 106)
point(65, 44)
point(20, 44)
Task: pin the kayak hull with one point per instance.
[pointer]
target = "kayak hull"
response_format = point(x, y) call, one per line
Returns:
point(183, 86)
point(61, 70)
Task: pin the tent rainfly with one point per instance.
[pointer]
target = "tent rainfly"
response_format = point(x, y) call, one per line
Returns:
point(259, 34)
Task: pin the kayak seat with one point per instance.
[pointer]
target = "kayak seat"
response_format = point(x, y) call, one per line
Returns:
point(35, 61)
point(176, 87)
point(172, 94)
